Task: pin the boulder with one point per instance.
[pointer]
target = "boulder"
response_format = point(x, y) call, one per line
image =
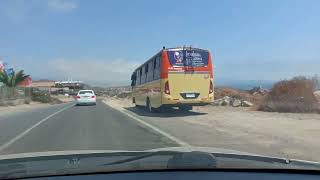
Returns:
point(227, 98)
point(246, 104)
point(217, 102)
point(225, 102)
point(258, 90)
point(236, 103)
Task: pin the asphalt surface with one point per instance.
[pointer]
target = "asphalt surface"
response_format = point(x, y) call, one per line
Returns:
point(69, 127)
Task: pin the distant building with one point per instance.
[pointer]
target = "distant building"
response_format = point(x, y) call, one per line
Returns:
point(70, 84)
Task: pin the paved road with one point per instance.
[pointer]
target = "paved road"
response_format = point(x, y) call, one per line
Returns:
point(70, 127)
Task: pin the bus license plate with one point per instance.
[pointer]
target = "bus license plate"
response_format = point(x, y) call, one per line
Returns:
point(190, 95)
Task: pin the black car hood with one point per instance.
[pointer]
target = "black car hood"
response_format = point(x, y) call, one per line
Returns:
point(82, 152)
point(92, 161)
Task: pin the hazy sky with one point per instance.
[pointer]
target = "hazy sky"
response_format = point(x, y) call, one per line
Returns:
point(102, 41)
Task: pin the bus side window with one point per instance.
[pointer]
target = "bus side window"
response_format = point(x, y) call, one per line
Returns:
point(156, 72)
point(150, 71)
point(140, 74)
point(154, 65)
point(133, 78)
point(137, 79)
point(159, 62)
point(143, 75)
point(145, 80)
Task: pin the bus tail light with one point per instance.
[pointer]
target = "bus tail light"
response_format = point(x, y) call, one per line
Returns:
point(211, 88)
point(166, 88)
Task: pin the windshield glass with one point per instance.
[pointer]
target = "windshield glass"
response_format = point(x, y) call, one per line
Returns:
point(196, 77)
point(85, 92)
point(191, 58)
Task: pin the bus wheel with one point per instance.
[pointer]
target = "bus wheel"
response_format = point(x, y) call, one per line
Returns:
point(185, 108)
point(149, 107)
point(162, 109)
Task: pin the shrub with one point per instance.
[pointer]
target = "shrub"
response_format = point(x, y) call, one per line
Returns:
point(27, 101)
point(295, 95)
point(41, 96)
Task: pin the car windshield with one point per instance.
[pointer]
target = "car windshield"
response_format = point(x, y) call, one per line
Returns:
point(221, 81)
point(85, 92)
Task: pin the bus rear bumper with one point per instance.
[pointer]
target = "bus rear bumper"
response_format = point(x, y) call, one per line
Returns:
point(168, 101)
point(185, 104)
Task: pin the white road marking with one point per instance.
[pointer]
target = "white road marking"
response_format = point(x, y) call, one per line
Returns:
point(29, 129)
point(171, 137)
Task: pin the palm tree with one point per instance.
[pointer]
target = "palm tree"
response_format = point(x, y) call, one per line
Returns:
point(14, 79)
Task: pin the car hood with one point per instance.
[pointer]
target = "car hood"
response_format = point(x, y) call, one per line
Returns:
point(93, 161)
point(82, 152)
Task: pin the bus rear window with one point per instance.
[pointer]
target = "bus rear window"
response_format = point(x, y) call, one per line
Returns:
point(189, 58)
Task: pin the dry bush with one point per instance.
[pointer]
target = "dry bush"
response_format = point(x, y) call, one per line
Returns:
point(41, 96)
point(295, 95)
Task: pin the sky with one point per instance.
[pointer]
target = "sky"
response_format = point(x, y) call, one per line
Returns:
point(101, 42)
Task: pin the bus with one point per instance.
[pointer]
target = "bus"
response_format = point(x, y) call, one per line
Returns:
point(174, 77)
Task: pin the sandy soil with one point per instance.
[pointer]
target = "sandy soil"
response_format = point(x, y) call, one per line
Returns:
point(290, 135)
point(33, 105)
point(20, 108)
point(64, 98)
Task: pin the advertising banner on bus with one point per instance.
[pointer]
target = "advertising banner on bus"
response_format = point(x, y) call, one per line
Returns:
point(189, 58)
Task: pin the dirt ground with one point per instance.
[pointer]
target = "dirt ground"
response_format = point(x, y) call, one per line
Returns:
point(64, 98)
point(290, 135)
point(33, 105)
point(19, 108)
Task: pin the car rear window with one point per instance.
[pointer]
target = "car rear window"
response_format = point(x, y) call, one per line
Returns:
point(189, 58)
point(85, 92)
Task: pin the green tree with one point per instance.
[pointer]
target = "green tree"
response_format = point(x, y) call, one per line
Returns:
point(14, 79)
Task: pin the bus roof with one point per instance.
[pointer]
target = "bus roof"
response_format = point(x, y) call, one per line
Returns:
point(170, 49)
point(184, 48)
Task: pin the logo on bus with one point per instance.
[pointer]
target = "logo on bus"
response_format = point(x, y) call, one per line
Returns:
point(178, 56)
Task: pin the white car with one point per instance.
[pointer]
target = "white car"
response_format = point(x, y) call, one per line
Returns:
point(86, 97)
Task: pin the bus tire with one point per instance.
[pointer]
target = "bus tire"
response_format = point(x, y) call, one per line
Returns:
point(162, 109)
point(148, 105)
point(137, 106)
point(185, 108)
